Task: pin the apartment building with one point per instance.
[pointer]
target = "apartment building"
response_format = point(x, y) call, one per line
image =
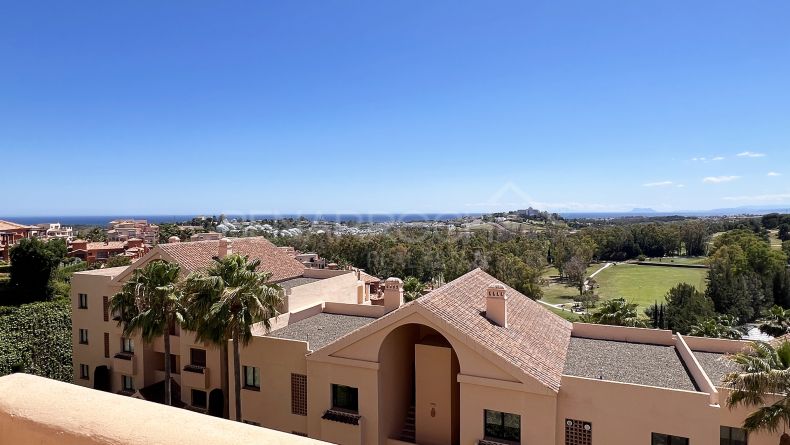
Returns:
point(105, 359)
point(101, 251)
point(11, 233)
point(55, 230)
point(125, 229)
point(472, 362)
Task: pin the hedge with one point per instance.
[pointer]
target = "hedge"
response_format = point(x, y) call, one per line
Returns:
point(35, 338)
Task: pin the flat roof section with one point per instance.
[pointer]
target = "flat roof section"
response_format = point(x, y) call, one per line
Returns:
point(635, 363)
point(105, 271)
point(715, 365)
point(294, 282)
point(321, 329)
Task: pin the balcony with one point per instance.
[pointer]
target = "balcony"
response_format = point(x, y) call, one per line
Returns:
point(195, 377)
point(175, 344)
point(124, 363)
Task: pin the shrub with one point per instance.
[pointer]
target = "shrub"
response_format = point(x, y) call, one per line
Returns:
point(36, 339)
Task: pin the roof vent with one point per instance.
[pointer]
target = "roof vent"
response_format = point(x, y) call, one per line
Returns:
point(496, 304)
point(225, 247)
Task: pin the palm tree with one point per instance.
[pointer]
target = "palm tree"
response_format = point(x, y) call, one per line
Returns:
point(149, 304)
point(777, 323)
point(226, 301)
point(616, 312)
point(764, 369)
point(723, 326)
point(412, 288)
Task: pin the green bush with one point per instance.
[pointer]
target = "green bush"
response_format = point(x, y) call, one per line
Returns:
point(36, 339)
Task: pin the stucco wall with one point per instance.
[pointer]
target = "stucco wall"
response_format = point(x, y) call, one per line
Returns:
point(623, 414)
point(276, 359)
point(35, 410)
point(341, 288)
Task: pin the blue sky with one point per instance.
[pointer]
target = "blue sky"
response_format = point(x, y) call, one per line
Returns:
point(173, 107)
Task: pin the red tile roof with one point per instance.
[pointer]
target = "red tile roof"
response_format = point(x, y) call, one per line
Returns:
point(536, 341)
point(109, 245)
point(198, 255)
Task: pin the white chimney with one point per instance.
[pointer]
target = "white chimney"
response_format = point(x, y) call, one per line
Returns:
point(225, 247)
point(173, 239)
point(496, 304)
point(393, 294)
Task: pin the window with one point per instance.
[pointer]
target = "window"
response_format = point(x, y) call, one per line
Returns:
point(666, 439)
point(106, 345)
point(502, 426)
point(732, 436)
point(345, 398)
point(578, 432)
point(127, 382)
point(127, 345)
point(252, 377)
point(84, 336)
point(198, 398)
point(197, 357)
point(299, 394)
point(84, 372)
point(83, 301)
point(105, 308)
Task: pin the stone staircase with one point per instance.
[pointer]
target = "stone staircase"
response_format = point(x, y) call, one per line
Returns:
point(408, 432)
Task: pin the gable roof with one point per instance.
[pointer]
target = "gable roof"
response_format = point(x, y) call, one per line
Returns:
point(198, 255)
point(8, 225)
point(535, 341)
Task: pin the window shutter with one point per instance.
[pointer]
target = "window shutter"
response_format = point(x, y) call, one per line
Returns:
point(106, 345)
point(299, 394)
point(106, 303)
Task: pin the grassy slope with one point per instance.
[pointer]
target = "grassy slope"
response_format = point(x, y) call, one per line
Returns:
point(640, 284)
point(646, 284)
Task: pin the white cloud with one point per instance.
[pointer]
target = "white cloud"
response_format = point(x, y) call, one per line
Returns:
point(705, 159)
point(658, 184)
point(750, 154)
point(778, 197)
point(719, 179)
point(680, 186)
point(774, 174)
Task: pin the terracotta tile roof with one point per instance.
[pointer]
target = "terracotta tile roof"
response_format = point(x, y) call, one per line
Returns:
point(109, 245)
point(368, 278)
point(198, 255)
point(8, 225)
point(536, 341)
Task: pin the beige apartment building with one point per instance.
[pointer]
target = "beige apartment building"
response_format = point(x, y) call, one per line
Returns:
point(472, 362)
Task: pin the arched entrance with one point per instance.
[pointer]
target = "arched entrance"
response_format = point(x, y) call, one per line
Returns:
point(101, 379)
point(216, 403)
point(418, 387)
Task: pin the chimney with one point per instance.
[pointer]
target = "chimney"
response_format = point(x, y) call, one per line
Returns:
point(225, 247)
point(173, 239)
point(393, 294)
point(496, 304)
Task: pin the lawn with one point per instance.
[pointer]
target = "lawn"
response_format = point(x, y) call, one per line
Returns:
point(568, 315)
point(646, 284)
point(640, 284)
point(679, 260)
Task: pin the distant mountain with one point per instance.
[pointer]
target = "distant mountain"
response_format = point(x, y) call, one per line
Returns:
point(642, 210)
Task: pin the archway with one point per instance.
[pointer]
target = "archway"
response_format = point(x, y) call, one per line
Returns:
point(216, 403)
point(101, 379)
point(418, 387)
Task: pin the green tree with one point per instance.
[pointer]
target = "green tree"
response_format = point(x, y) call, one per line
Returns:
point(32, 263)
point(777, 322)
point(118, 261)
point(226, 301)
point(722, 326)
point(412, 288)
point(576, 271)
point(95, 234)
point(617, 312)
point(762, 370)
point(686, 306)
point(150, 303)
